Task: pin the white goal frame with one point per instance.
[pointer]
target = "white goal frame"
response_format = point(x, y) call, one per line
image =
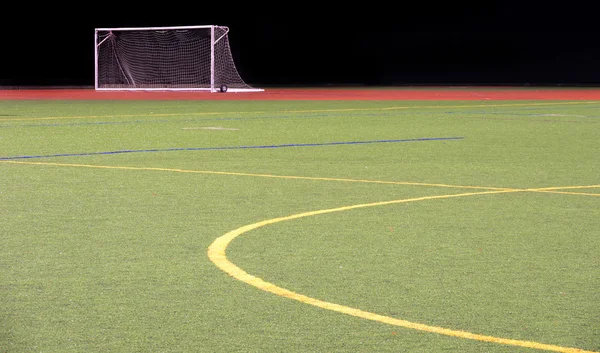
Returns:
point(214, 40)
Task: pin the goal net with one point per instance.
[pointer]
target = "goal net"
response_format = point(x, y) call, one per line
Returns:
point(166, 58)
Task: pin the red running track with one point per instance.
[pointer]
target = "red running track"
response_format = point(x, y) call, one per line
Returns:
point(387, 94)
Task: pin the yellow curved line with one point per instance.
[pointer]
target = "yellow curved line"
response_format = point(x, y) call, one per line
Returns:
point(217, 254)
point(216, 251)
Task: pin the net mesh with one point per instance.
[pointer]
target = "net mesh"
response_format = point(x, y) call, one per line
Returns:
point(165, 59)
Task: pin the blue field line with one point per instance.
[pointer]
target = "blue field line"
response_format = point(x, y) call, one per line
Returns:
point(232, 147)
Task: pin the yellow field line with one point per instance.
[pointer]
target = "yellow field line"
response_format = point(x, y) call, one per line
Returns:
point(305, 111)
point(557, 190)
point(564, 192)
point(566, 187)
point(550, 190)
point(217, 254)
point(444, 106)
point(113, 116)
point(251, 175)
point(216, 251)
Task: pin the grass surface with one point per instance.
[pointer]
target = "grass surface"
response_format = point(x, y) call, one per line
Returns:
point(108, 209)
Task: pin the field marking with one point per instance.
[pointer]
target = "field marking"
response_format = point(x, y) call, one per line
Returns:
point(305, 111)
point(217, 250)
point(217, 254)
point(550, 190)
point(557, 190)
point(243, 147)
point(257, 175)
point(564, 192)
point(208, 128)
point(566, 187)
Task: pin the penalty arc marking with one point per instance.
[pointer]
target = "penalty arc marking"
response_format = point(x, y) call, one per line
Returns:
point(217, 254)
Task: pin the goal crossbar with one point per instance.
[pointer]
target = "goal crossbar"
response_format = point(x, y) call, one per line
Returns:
point(152, 28)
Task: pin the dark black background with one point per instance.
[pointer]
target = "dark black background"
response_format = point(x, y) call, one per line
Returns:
point(369, 43)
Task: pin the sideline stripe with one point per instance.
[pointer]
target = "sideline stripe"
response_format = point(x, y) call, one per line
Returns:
point(236, 147)
point(565, 192)
point(556, 190)
point(217, 254)
point(307, 111)
point(257, 175)
point(549, 190)
point(566, 187)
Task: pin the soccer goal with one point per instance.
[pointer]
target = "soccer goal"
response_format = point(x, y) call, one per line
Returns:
point(183, 58)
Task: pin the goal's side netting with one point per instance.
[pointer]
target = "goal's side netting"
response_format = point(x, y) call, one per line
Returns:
point(166, 58)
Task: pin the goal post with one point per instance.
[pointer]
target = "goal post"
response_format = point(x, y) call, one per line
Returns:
point(181, 58)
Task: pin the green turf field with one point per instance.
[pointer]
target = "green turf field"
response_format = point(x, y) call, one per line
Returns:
point(356, 226)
